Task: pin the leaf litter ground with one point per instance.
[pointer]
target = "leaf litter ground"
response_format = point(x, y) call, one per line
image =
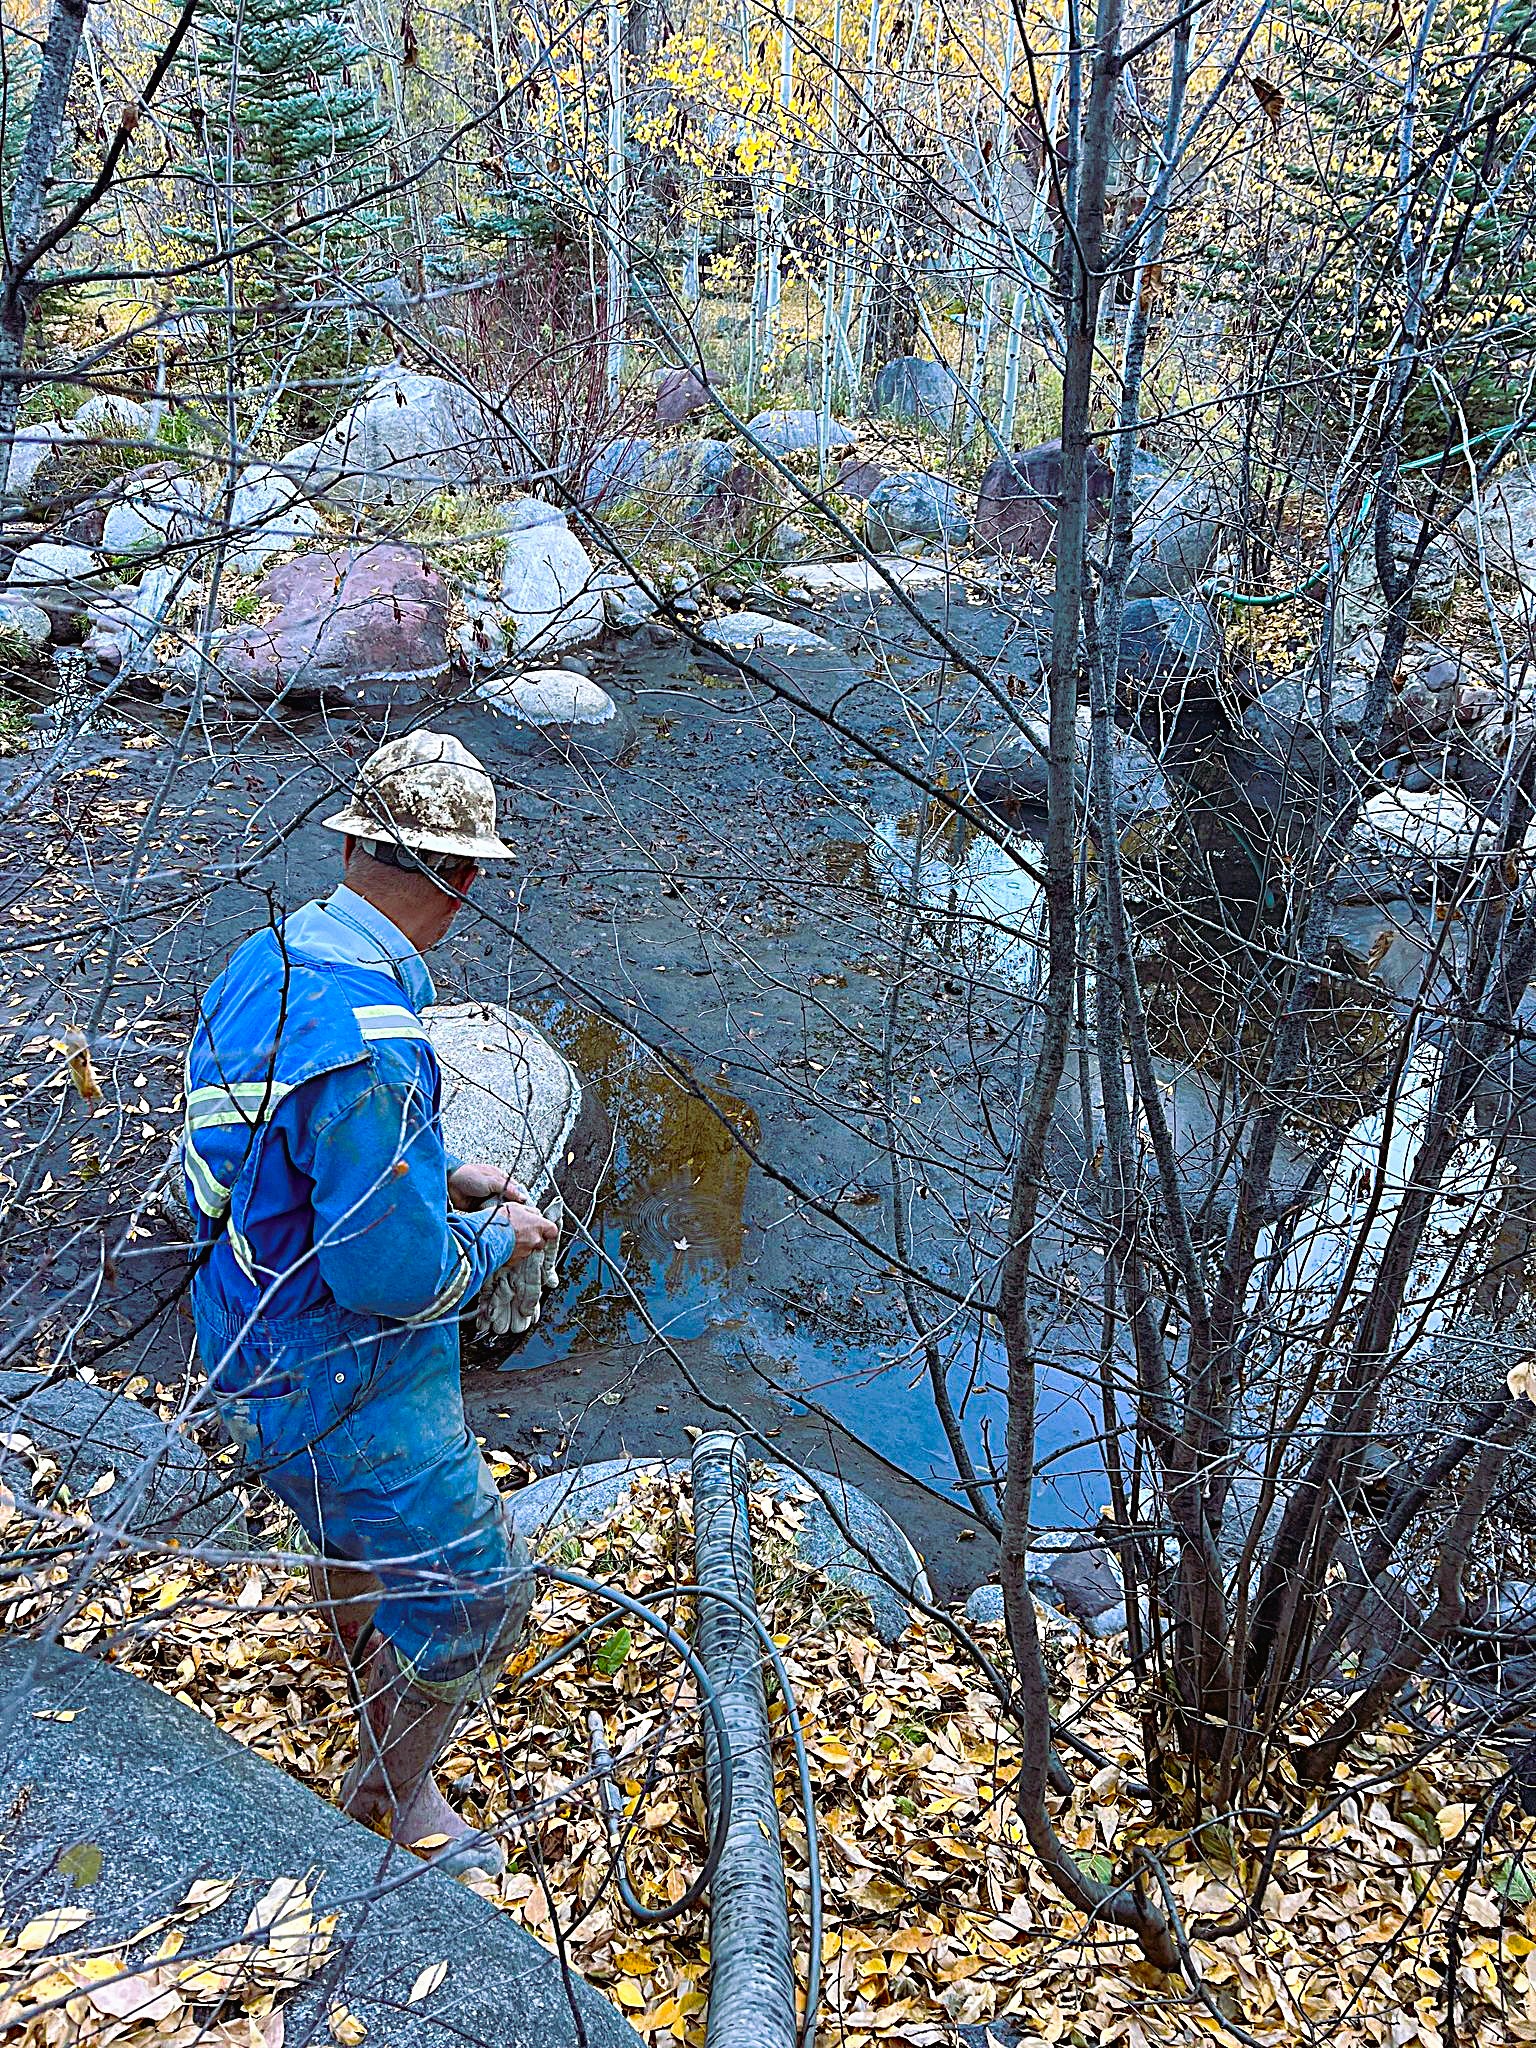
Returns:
point(937, 1914)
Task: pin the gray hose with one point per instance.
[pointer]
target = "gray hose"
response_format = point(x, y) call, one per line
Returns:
point(752, 1983)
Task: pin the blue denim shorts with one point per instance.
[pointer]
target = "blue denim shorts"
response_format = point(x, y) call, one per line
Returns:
point(358, 1425)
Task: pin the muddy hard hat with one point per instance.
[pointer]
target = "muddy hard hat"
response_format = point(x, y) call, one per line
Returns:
point(428, 791)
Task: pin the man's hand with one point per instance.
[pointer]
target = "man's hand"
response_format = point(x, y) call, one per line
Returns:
point(473, 1184)
point(534, 1231)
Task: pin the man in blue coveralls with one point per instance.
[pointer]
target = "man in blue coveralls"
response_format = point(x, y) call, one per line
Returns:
point(338, 1244)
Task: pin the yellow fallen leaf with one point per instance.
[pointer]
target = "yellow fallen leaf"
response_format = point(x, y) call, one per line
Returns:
point(346, 2027)
point(48, 1928)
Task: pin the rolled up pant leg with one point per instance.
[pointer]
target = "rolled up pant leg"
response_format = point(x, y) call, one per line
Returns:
point(362, 1432)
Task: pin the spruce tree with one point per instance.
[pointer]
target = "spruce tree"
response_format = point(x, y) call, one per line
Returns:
point(1470, 122)
point(282, 151)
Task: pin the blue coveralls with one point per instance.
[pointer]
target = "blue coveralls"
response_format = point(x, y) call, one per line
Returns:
point(326, 1308)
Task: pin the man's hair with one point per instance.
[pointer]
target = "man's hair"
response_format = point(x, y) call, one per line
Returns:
point(413, 860)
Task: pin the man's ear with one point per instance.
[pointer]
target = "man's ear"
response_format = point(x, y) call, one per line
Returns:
point(460, 877)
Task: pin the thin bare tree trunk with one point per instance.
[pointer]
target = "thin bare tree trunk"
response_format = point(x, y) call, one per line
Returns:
point(1082, 270)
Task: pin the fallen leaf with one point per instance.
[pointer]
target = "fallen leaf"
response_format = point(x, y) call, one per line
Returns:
point(426, 1983)
point(48, 1928)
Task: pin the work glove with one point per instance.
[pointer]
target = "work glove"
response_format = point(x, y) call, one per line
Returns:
point(512, 1300)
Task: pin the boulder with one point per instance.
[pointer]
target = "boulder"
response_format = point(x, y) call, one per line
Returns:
point(383, 306)
point(25, 631)
point(407, 438)
point(124, 622)
point(1361, 601)
point(58, 463)
point(1425, 839)
point(984, 1607)
point(507, 1095)
point(58, 578)
point(550, 697)
point(626, 602)
point(779, 432)
point(109, 417)
point(479, 643)
point(873, 1552)
point(690, 480)
point(261, 491)
point(858, 477)
point(911, 388)
point(1010, 774)
point(1164, 638)
point(351, 626)
point(1450, 720)
point(1084, 1579)
point(297, 526)
point(827, 582)
point(752, 633)
point(548, 596)
point(267, 516)
point(616, 471)
point(913, 505)
point(681, 394)
point(31, 451)
point(1502, 528)
point(160, 1798)
point(1285, 724)
point(165, 510)
point(1016, 506)
point(1177, 530)
point(163, 1485)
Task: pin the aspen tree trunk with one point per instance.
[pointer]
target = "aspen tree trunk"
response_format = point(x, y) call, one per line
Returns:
point(829, 321)
point(616, 308)
point(845, 317)
point(978, 377)
point(1030, 269)
point(773, 255)
point(28, 201)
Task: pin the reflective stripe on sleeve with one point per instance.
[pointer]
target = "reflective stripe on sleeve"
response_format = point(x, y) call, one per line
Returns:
point(389, 1020)
point(213, 1197)
point(446, 1302)
point(245, 1258)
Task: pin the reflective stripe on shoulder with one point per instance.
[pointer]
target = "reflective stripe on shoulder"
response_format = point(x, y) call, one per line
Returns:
point(389, 1020)
point(241, 1102)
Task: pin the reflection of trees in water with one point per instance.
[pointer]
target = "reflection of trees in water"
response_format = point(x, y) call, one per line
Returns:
point(672, 1206)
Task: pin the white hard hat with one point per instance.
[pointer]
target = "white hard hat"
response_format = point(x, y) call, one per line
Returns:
point(428, 791)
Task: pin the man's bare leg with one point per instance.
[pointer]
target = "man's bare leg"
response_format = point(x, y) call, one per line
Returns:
point(402, 1731)
point(346, 1596)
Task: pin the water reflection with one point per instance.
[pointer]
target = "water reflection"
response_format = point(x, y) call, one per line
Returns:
point(671, 1206)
